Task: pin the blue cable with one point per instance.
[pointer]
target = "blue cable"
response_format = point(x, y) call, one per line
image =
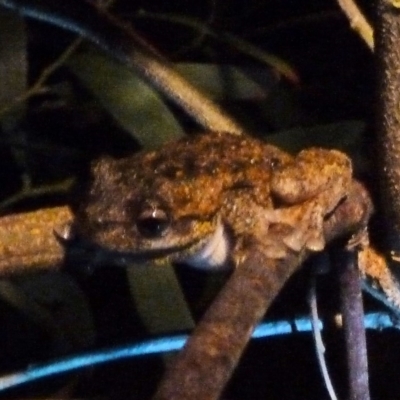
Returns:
point(377, 321)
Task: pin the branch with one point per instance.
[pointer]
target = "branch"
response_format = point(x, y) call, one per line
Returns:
point(28, 243)
point(387, 34)
point(207, 361)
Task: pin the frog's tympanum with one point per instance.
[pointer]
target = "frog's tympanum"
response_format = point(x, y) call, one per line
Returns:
point(201, 199)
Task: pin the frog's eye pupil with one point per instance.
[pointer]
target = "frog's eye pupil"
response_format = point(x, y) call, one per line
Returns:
point(275, 162)
point(152, 223)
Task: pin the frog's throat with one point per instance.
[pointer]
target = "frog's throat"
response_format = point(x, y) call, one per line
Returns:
point(213, 253)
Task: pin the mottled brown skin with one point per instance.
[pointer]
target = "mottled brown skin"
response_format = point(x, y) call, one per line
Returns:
point(209, 194)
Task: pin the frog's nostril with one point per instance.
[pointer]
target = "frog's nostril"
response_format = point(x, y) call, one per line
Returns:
point(152, 223)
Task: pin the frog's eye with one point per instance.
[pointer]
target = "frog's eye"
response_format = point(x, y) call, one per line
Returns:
point(152, 222)
point(275, 162)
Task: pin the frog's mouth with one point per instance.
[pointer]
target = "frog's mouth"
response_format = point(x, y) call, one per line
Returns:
point(209, 252)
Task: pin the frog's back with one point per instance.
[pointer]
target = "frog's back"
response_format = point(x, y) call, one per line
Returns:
point(212, 154)
point(191, 175)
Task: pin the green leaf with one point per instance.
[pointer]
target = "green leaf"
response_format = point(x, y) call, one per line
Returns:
point(135, 105)
point(229, 81)
point(344, 135)
point(347, 136)
point(55, 303)
point(159, 299)
point(13, 65)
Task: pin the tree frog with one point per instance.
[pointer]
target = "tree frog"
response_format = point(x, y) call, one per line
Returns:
point(199, 200)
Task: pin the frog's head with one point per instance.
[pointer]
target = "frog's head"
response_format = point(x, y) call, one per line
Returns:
point(142, 209)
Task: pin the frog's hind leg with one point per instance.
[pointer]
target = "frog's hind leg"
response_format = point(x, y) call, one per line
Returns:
point(306, 222)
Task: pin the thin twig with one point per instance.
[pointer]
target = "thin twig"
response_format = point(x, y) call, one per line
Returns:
point(28, 191)
point(358, 22)
point(38, 87)
point(319, 345)
point(353, 323)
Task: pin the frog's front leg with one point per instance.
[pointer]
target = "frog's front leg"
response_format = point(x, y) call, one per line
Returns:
point(306, 190)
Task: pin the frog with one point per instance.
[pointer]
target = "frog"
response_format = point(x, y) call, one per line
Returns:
point(201, 199)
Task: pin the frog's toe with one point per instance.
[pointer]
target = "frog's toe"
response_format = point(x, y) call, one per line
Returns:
point(295, 241)
point(309, 232)
point(311, 240)
point(276, 250)
point(316, 242)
